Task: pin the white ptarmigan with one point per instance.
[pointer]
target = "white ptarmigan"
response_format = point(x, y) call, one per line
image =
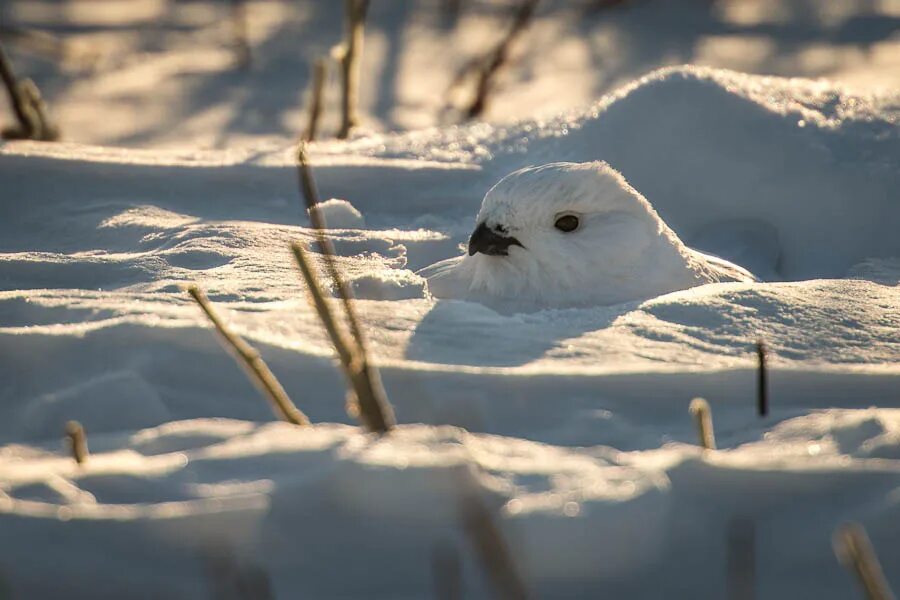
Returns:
point(571, 234)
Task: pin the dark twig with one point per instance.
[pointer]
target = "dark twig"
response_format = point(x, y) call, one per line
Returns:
point(446, 571)
point(762, 379)
point(373, 406)
point(255, 366)
point(855, 552)
point(491, 548)
point(240, 34)
point(699, 409)
point(77, 441)
point(741, 560)
point(355, 19)
point(497, 58)
point(320, 68)
point(28, 106)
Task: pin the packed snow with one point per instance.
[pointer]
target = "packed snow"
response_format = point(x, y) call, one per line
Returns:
point(570, 422)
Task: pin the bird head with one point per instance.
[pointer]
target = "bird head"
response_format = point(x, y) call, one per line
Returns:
point(562, 231)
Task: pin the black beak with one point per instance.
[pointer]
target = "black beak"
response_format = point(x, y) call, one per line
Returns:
point(488, 242)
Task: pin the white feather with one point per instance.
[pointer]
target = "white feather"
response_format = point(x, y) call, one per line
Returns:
point(621, 251)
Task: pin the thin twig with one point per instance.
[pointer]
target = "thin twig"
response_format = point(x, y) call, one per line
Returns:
point(346, 351)
point(491, 547)
point(741, 560)
point(27, 105)
point(446, 572)
point(855, 552)
point(255, 366)
point(239, 32)
point(373, 407)
point(355, 19)
point(77, 441)
point(702, 414)
point(12, 88)
point(762, 379)
point(320, 68)
point(317, 219)
point(498, 58)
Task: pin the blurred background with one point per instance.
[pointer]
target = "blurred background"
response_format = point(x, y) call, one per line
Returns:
point(232, 73)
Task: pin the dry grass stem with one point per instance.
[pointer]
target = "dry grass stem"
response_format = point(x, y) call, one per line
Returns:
point(320, 70)
point(854, 550)
point(491, 547)
point(28, 106)
point(355, 19)
point(77, 441)
point(498, 58)
point(344, 348)
point(702, 414)
point(446, 570)
point(240, 34)
point(762, 379)
point(741, 560)
point(365, 380)
point(259, 372)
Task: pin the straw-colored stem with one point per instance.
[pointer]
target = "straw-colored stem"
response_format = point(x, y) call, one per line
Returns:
point(374, 409)
point(855, 552)
point(317, 219)
point(253, 362)
point(355, 18)
point(320, 70)
point(702, 414)
point(343, 347)
point(77, 441)
point(364, 378)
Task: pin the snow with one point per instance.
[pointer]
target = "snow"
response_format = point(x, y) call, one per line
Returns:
point(340, 214)
point(571, 423)
point(153, 73)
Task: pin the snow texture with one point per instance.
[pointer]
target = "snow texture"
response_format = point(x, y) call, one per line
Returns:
point(571, 422)
point(340, 214)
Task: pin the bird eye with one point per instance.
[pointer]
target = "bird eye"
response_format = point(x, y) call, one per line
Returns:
point(567, 223)
point(501, 229)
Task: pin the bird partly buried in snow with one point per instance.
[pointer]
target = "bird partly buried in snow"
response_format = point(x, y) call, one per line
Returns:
point(571, 234)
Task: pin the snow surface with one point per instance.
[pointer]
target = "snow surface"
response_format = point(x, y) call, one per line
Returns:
point(159, 73)
point(572, 423)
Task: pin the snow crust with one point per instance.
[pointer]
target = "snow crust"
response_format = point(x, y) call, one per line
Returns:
point(575, 420)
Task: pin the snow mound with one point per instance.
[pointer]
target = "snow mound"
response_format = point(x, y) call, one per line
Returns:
point(580, 438)
point(340, 214)
point(392, 497)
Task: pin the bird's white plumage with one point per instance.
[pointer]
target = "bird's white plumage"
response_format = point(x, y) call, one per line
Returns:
point(621, 251)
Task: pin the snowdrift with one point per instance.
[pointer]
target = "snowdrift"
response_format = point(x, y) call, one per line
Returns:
point(575, 421)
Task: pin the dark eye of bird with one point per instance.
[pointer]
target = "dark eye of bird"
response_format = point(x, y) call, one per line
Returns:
point(500, 229)
point(567, 223)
